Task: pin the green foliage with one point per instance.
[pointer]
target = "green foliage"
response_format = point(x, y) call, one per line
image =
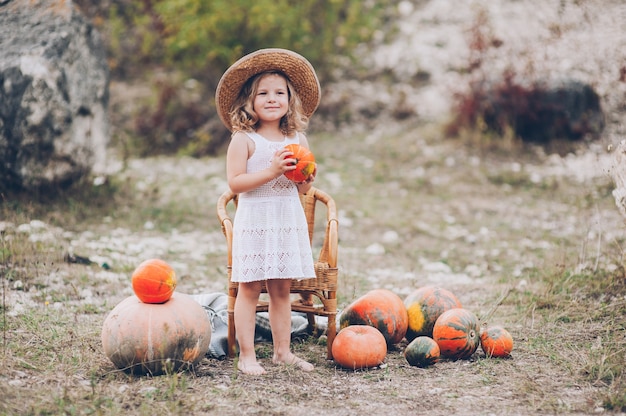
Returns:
point(164, 43)
point(203, 38)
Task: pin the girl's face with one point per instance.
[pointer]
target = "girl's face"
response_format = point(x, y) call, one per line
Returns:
point(271, 101)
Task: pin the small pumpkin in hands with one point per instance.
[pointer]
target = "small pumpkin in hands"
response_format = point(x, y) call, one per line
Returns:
point(154, 281)
point(457, 332)
point(422, 352)
point(305, 163)
point(496, 341)
point(359, 346)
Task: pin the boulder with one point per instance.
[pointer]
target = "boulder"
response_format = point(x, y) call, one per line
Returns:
point(53, 95)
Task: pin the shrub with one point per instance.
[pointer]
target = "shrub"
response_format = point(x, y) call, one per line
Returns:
point(538, 112)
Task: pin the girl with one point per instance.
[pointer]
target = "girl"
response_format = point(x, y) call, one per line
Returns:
point(266, 99)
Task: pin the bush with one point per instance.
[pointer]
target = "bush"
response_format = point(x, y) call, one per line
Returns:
point(537, 113)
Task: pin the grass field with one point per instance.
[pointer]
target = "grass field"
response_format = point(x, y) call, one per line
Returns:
point(478, 218)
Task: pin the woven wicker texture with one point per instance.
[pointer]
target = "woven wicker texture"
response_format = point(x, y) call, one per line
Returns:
point(296, 67)
point(317, 296)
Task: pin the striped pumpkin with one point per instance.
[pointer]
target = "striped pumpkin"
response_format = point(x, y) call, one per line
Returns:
point(380, 308)
point(422, 352)
point(457, 332)
point(496, 341)
point(424, 306)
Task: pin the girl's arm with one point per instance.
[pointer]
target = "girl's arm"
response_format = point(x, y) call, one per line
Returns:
point(239, 180)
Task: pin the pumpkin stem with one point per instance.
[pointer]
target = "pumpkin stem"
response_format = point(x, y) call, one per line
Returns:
point(483, 319)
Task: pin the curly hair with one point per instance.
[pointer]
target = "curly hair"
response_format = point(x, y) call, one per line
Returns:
point(243, 117)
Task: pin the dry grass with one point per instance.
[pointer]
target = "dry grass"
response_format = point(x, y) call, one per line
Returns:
point(414, 210)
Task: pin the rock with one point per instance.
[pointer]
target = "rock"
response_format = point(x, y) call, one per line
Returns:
point(53, 95)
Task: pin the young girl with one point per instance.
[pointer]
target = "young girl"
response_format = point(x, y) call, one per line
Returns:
point(266, 99)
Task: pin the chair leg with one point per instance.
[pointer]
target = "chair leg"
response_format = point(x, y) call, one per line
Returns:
point(312, 328)
point(330, 336)
point(232, 337)
point(232, 345)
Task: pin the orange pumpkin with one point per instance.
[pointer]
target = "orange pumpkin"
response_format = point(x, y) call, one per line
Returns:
point(144, 338)
point(422, 352)
point(496, 341)
point(424, 306)
point(154, 281)
point(457, 332)
point(305, 163)
point(359, 346)
point(380, 308)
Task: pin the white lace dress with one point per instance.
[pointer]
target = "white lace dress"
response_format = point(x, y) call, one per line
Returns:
point(270, 233)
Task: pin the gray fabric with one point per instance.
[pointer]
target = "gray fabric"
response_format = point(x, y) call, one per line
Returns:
point(216, 304)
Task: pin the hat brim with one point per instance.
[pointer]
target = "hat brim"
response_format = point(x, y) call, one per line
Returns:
point(297, 68)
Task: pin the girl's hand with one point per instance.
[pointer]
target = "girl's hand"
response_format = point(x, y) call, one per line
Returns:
point(281, 162)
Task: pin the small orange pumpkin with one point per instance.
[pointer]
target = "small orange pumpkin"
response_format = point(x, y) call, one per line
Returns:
point(457, 332)
point(424, 306)
point(145, 338)
point(496, 341)
point(359, 346)
point(305, 163)
point(154, 281)
point(380, 308)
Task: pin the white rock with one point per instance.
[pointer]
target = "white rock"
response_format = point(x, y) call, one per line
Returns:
point(390, 237)
point(375, 249)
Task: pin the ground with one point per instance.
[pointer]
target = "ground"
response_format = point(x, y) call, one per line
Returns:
point(414, 210)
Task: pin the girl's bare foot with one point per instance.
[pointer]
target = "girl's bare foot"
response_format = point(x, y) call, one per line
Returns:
point(252, 368)
point(294, 360)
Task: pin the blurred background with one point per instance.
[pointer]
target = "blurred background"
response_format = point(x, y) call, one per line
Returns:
point(516, 70)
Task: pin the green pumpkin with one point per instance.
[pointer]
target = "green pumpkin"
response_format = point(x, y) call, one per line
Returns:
point(422, 352)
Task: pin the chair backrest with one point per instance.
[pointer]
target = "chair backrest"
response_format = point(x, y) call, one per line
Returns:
point(328, 251)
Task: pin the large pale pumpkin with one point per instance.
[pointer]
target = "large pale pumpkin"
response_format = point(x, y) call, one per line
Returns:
point(154, 281)
point(359, 346)
point(305, 163)
point(457, 332)
point(424, 306)
point(496, 341)
point(380, 308)
point(146, 338)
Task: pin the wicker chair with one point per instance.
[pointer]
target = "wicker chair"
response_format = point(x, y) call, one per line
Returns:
point(323, 287)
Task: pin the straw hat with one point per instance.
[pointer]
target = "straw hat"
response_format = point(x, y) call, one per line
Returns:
point(299, 71)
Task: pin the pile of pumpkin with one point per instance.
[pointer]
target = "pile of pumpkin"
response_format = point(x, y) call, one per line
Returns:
point(156, 330)
point(431, 319)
